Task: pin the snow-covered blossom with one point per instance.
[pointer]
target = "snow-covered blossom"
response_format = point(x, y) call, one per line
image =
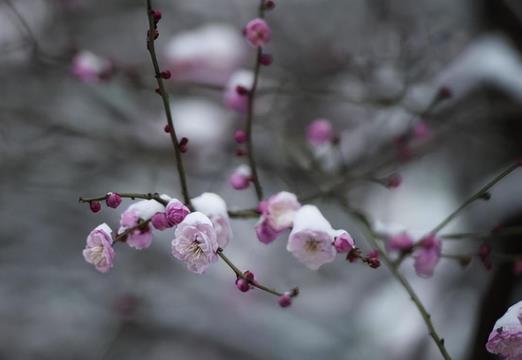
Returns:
point(89, 67)
point(241, 177)
point(319, 132)
point(209, 54)
point(427, 256)
point(195, 242)
point(134, 215)
point(400, 242)
point(98, 249)
point(213, 206)
point(311, 239)
point(257, 32)
point(506, 338)
point(176, 212)
point(277, 215)
point(232, 98)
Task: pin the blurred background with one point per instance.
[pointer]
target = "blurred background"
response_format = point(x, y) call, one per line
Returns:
point(79, 116)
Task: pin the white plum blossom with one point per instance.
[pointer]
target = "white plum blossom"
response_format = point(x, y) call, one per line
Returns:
point(277, 215)
point(312, 238)
point(195, 242)
point(213, 206)
point(89, 67)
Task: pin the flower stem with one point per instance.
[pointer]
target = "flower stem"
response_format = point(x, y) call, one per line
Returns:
point(166, 105)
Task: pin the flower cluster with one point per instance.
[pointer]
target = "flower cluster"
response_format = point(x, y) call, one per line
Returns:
point(312, 240)
point(196, 239)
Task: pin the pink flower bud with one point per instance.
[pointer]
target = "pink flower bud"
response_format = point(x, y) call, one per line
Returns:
point(517, 267)
point(95, 206)
point(156, 15)
point(113, 200)
point(242, 284)
point(159, 221)
point(257, 32)
point(240, 136)
point(421, 131)
point(320, 131)
point(444, 93)
point(285, 300)
point(372, 258)
point(176, 212)
point(167, 128)
point(241, 90)
point(266, 233)
point(343, 242)
point(240, 178)
point(249, 275)
point(166, 74)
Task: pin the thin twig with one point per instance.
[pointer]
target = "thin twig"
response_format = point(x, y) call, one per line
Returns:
point(439, 341)
point(478, 195)
point(166, 104)
point(148, 196)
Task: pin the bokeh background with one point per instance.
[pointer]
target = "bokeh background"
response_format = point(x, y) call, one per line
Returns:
point(370, 66)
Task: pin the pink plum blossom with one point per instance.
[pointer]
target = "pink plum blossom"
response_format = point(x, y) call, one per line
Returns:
point(98, 249)
point(89, 67)
point(176, 212)
point(233, 99)
point(427, 256)
point(135, 214)
point(320, 132)
point(506, 338)
point(213, 206)
point(195, 242)
point(257, 32)
point(240, 178)
point(311, 239)
point(400, 242)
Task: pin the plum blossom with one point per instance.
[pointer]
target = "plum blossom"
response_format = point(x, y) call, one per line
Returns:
point(311, 239)
point(233, 99)
point(213, 206)
point(277, 215)
point(506, 338)
point(195, 242)
point(427, 256)
point(320, 132)
point(135, 214)
point(400, 242)
point(209, 54)
point(257, 32)
point(89, 67)
point(98, 249)
point(240, 178)
point(175, 212)
point(159, 221)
